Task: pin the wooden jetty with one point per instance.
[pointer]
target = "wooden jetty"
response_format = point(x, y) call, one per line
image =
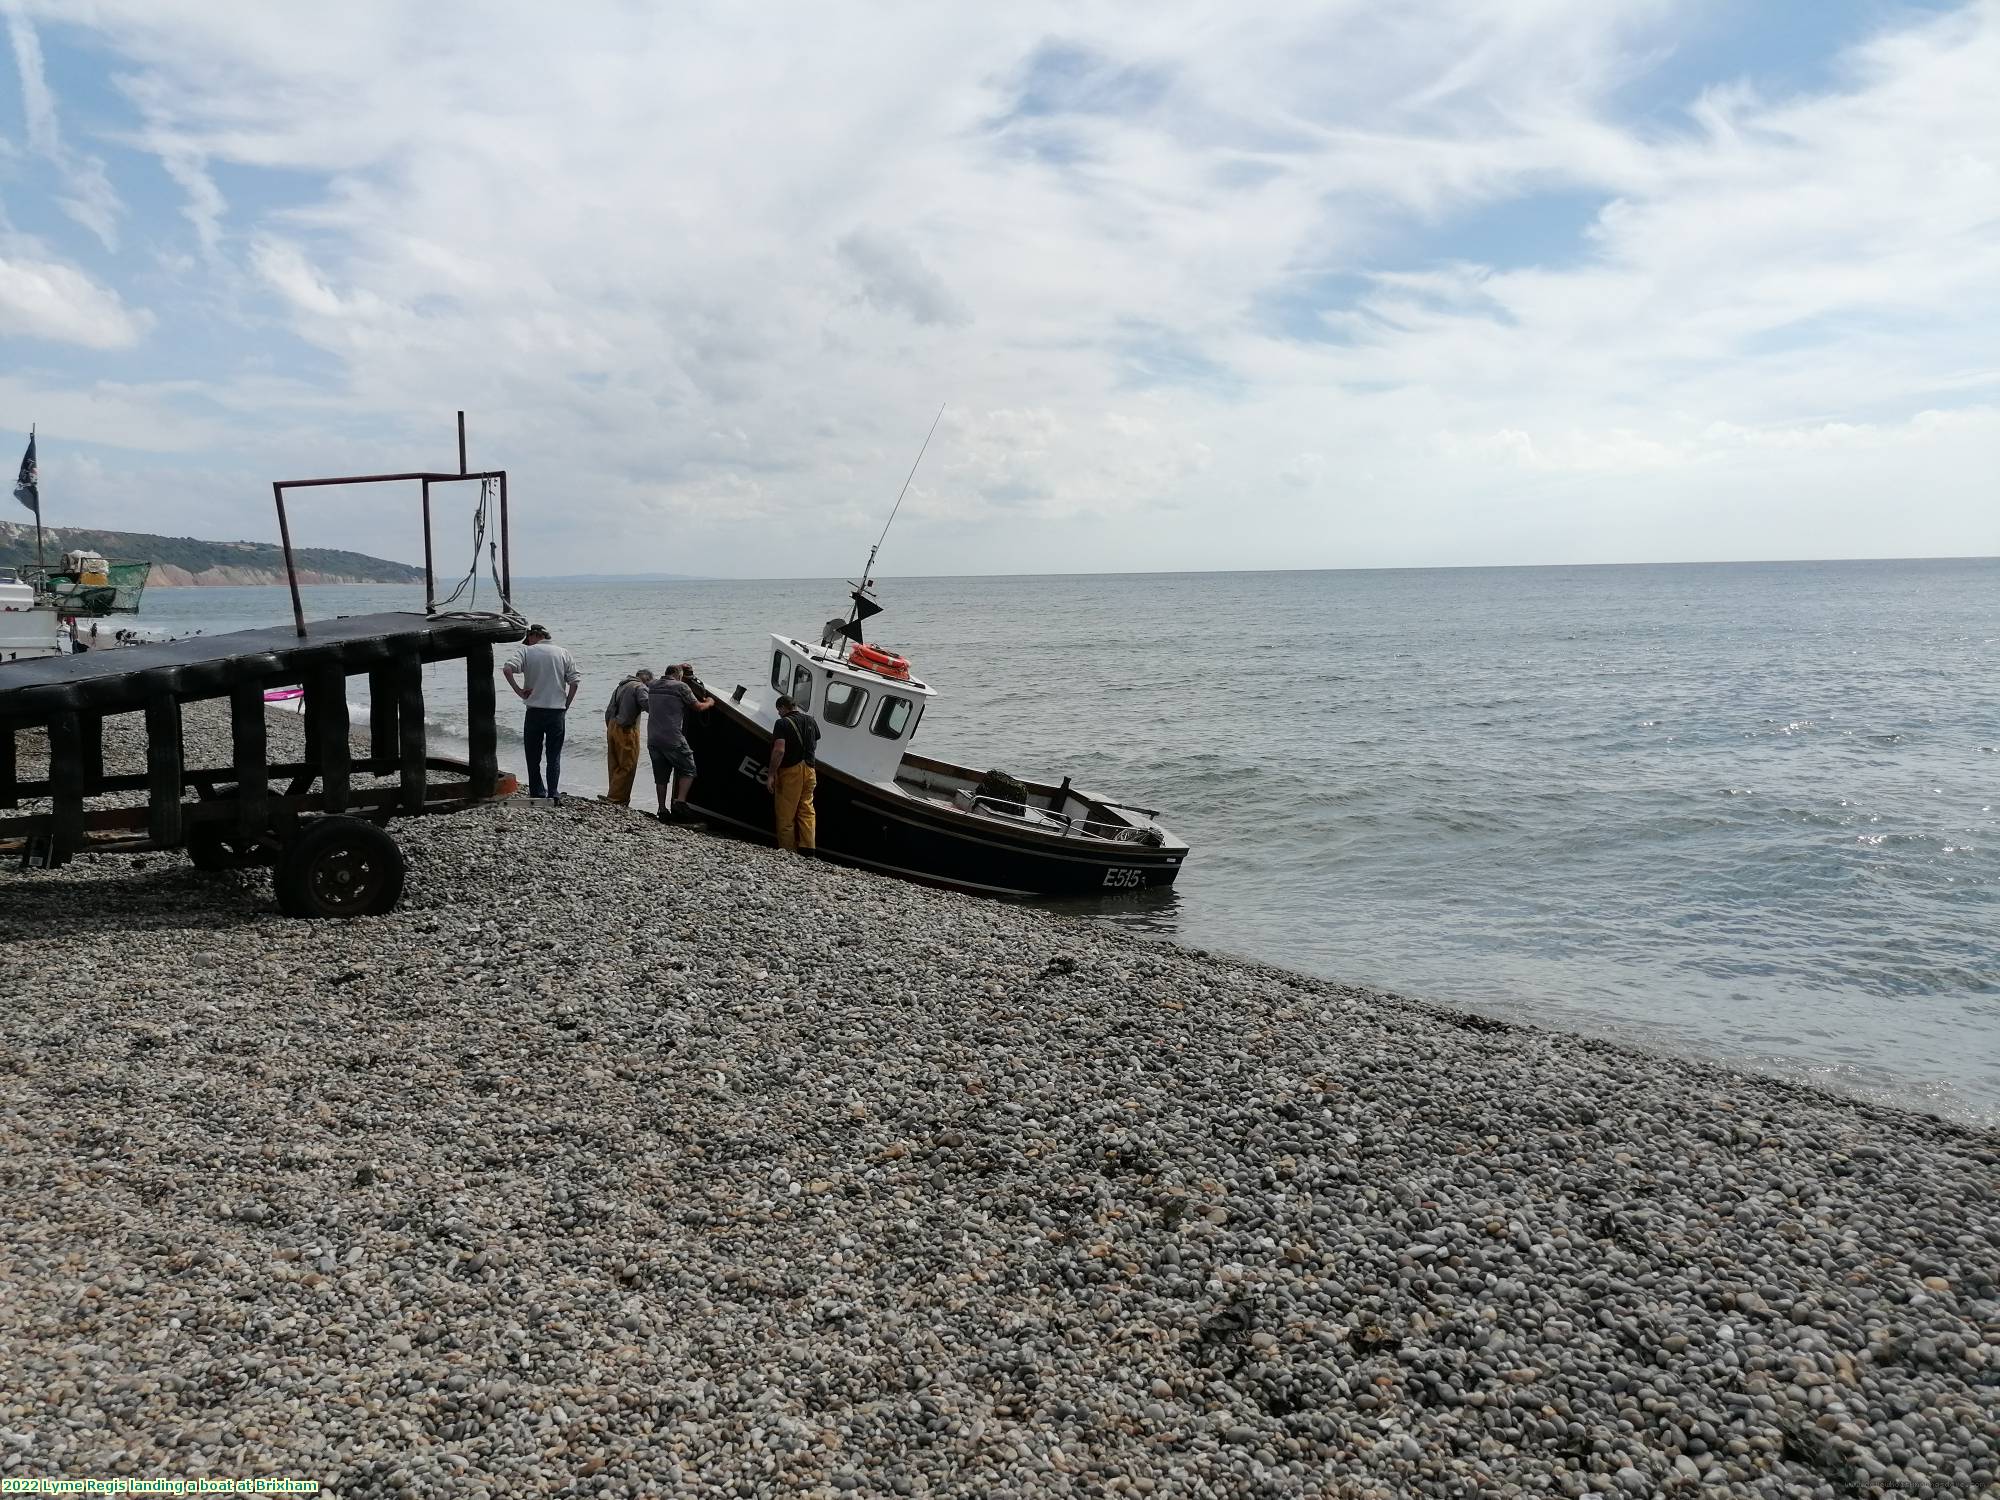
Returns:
point(323, 834)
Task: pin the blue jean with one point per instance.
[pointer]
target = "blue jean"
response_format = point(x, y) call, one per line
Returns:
point(544, 728)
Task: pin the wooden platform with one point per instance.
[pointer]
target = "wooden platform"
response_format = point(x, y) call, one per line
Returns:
point(208, 666)
point(71, 695)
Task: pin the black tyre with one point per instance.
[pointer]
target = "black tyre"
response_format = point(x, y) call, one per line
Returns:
point(208, 849)
point(213, 849)
point(223, 845)
point(340, 867)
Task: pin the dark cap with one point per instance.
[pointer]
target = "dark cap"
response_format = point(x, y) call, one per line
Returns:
point(538, 630)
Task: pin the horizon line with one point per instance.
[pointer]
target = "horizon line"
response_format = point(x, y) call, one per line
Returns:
point(1691, 562)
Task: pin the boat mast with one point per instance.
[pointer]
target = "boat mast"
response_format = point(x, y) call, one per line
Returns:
point(40, 560)
point(868, 572)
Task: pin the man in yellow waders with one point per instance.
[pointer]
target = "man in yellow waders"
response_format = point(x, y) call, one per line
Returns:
point(621, 734)
point(794, 755)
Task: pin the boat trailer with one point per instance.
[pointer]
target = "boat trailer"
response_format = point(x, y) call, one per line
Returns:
point(324, 835)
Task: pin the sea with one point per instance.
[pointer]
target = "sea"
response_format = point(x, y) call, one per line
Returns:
point(1745, 812)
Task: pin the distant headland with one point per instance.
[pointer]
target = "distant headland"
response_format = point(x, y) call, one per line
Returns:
point(184, 561)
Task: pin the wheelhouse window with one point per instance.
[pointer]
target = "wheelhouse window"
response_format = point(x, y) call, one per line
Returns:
point(802, 687)
point(893, 717)
point(845, 703)
point(781, 672)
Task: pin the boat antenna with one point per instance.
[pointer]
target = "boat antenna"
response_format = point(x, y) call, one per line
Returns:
point(863, 610)
point(867, 572)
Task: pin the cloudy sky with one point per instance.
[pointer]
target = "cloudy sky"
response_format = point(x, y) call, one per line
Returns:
point(1244, 285)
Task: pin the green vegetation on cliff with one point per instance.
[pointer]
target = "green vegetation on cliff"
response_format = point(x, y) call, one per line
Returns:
point(228, 562)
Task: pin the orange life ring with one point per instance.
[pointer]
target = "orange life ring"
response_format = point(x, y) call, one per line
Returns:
point(886, 663)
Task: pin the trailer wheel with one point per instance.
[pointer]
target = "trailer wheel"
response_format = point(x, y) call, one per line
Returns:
point(340, 867)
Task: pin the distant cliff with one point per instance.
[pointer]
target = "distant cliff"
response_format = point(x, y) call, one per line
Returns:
point(183, 561)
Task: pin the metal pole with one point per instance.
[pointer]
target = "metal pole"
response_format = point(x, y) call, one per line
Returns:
point(433, 474)
point(40, 560)
point(461, 442)
point(430, 587)
point(291, 569)
point(506, 556)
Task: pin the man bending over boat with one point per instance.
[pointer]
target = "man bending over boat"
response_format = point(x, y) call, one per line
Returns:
point(667, 706)
point(621, 734)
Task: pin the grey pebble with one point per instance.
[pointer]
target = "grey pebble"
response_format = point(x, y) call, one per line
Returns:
point(732, 1173)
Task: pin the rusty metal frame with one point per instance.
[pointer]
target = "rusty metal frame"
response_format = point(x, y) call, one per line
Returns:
point(426, 478)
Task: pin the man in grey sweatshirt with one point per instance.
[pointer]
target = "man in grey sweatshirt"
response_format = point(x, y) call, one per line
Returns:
point(543, 677)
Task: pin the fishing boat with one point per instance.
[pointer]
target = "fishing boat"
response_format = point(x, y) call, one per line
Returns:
point(86, 586)
point(882, 806)
point(29, 629)
point(83, 586)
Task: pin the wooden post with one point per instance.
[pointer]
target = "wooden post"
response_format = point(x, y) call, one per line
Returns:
point(90, 747)
point(409, 680)
point(164, 768)
point(481, 732)
point(383, 741)
point(66, 786)
point(9, 798)
point(327, 734)
point(247, 736)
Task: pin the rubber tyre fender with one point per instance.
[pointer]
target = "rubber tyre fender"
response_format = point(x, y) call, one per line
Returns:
point(339, 867)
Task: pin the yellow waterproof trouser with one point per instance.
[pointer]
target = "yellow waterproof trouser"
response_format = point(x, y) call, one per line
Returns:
point(792, 798)
point(621, 759)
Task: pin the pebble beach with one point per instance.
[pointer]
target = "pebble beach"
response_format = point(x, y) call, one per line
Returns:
point(625, 1159)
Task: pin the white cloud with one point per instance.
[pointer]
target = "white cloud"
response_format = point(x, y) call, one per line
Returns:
point(1187, 275)
point(205, 205)
point(38, 106)
point(1613, 452)
point(42, 299)
point(1305, 471)
point(894, 278)
point(90, 199)
point(284, 266)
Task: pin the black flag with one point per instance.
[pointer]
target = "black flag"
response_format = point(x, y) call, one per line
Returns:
point(863, 608)
point(27, 489)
